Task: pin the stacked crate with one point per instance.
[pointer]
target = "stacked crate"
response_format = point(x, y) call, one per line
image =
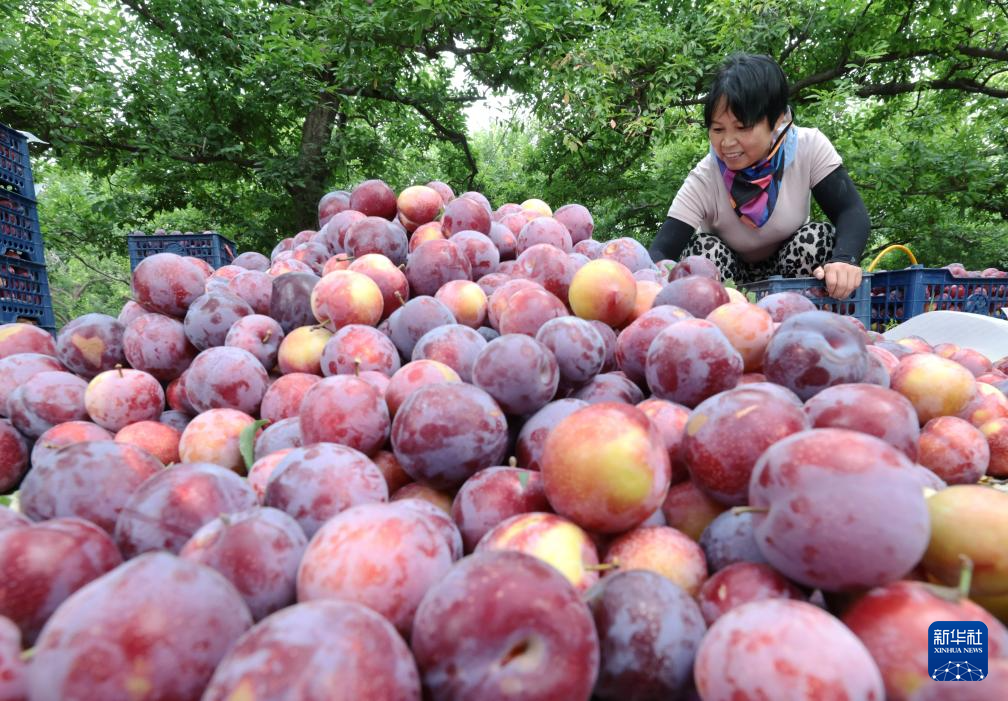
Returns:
point(24, 285)
point(209, 246)
point(858, 305)
point(898, 295)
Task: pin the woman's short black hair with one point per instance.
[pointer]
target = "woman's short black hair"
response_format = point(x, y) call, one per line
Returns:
point(753, 86)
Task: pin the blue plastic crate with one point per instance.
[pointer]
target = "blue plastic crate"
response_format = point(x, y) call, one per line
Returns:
point(19, 227)
point(24, 293)
point(212, 248)
point(15, 165)
point(857, 305)
point(898, 295)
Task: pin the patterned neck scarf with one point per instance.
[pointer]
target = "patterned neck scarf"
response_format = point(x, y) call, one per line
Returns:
point(753, 191)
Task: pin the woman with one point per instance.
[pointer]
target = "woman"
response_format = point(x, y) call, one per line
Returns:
point(745, 206)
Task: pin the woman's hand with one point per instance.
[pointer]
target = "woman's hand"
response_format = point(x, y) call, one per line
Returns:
point(841, 279)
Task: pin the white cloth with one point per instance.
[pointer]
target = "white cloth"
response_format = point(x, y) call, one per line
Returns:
point(981, 333)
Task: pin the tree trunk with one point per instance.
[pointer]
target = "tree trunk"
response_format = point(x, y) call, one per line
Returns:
point(311, 170)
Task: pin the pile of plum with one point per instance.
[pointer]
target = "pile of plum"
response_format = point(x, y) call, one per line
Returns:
point(439, 450)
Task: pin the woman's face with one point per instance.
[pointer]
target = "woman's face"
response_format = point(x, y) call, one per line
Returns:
point(739, 146)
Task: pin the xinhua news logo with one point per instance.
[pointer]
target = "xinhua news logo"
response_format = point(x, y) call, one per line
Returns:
point(958, 651)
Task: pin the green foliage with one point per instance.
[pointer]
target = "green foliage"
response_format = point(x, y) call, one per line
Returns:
point(86, 282)
point(248, 109)
point(86, 260)
point(929, 175)
point(506, 155)
point(84, 222)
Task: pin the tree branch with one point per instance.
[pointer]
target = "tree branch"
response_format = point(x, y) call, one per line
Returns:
point(993, 208)
point(204, 159)
point(499, 79)
point(796, 41)
point(846, 65)
point(144, 13)
point(111, 278)
point(432, 50)
point(905, 20)
point(962, 84)
point(448, 134)
point(179, 37)
point(983, 52)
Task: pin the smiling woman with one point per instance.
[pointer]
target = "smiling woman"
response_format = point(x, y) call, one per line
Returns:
point(745, 205)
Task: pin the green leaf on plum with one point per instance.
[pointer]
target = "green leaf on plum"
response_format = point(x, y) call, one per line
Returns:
point(246, 441)
point(523, 479)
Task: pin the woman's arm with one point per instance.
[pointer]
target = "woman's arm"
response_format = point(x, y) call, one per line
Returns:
point(840, 201)
point(670, 240)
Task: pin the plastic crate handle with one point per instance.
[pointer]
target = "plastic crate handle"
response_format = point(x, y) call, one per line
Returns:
point(894, 247)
